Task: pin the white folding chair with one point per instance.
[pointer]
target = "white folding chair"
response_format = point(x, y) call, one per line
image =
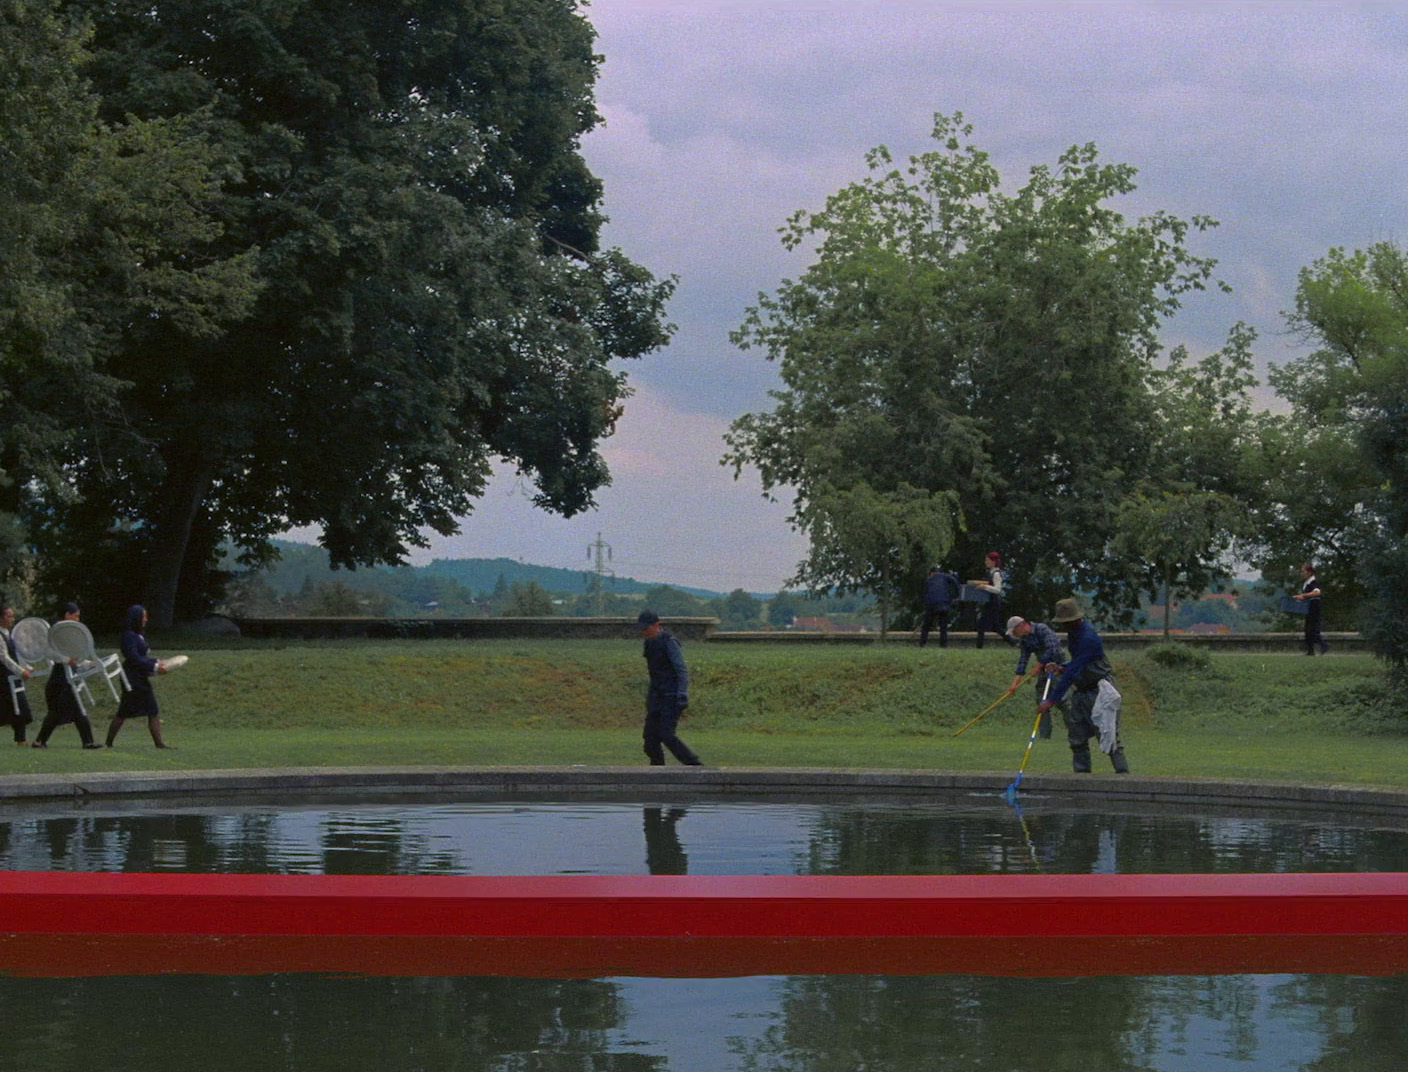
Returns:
point(71, 640)
point(31, 637)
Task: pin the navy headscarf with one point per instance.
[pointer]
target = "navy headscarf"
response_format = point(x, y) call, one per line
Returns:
point(135, 613)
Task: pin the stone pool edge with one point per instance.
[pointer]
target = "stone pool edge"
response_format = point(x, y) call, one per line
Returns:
point(702, 782)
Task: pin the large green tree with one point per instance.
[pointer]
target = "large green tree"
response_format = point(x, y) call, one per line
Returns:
point(1339, 474)
point(101, 226)
point(989, 350)
point(405, 177)
point(1187, 522)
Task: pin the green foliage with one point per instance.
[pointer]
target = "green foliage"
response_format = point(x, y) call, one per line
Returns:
point(971, 363)
point(1179, 657)
point(356, 250)
point(527, 600)
point(1345, 495)
point(741, 611)
point(108, 232)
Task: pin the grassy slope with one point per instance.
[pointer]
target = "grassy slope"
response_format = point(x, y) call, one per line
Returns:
point(565, 702)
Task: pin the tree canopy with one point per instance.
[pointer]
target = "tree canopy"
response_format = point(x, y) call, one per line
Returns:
point(390, 276)
point(1342, 494)
point(971, 364)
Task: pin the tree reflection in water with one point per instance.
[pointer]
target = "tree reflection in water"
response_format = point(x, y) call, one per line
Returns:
point(794, 1024)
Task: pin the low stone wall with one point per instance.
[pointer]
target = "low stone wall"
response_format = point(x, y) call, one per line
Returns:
point(696, 629)
point(466, 628)
point(1225, 642)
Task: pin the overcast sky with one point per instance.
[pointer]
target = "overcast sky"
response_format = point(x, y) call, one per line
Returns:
point(1285, 121)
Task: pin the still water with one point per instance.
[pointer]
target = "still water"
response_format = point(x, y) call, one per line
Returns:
point(1316, 1023)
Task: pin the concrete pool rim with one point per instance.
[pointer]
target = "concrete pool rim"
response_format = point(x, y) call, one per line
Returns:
point(707, 782)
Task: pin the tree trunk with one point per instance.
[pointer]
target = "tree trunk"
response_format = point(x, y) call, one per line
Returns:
point(188, 480)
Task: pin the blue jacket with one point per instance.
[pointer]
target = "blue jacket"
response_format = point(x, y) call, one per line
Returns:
point(1043, 642)
point(1088, 663)
point(665, 661)
point(136, 654)
point(940, 589)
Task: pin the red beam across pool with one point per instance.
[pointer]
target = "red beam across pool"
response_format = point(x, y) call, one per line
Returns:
point(101, 923)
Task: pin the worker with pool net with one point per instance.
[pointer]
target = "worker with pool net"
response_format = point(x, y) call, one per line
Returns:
point(1094, 711)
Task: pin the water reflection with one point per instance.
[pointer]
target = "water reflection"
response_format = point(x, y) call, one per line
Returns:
point(778, 1024)
point(664, 854)
point(805, 1024)
point(696, 837)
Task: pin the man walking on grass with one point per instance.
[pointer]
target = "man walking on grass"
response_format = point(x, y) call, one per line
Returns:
point(667, 697)
point(1095, 702)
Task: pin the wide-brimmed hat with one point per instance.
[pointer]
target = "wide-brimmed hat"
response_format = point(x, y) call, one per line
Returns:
point(1067, 610)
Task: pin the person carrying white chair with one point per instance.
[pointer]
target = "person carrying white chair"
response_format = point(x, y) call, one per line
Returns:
point(16, 674)
point(61, 693)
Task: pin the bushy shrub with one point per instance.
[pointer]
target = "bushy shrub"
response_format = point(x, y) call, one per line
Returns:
point(1179, 657)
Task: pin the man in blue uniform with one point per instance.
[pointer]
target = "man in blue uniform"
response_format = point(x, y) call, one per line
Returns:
point(668, 695)
point(1095, 702)
point(1034, 638)
point(940, 590)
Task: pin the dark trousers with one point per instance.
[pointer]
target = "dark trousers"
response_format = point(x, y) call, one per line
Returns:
point(63, 708)
point(934, 614)
point(1081, 729)
point(662, 716)
point(1313, 639)
point(17, 708)
point(990, 620)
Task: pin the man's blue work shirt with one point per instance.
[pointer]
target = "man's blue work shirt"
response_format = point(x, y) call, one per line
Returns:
point(940, 590)
point(665, 661)
point(1086, 648)
point(1042, 641)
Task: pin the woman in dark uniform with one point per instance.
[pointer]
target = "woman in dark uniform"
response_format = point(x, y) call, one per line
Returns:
point(139, 701)
point(60, 699)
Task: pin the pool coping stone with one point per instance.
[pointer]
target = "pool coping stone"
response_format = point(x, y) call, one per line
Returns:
point(706, 782)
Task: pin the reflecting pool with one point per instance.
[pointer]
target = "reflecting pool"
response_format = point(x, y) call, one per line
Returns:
point(796, 1023)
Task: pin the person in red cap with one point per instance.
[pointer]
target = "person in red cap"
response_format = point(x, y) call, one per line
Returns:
point(990, 613)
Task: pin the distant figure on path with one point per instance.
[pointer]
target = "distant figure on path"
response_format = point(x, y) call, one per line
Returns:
point(940, 590)
point(63, 706)
point(1095, 702)
point(139, 701)
point(667, 696)
point(1034, 638)
point(1309, 594)
point(15, 704)
point(990, 612)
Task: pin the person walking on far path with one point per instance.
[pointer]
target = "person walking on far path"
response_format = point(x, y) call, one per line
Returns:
point(667, 696)
point(1309, 594)
point(1095, 702)
point(990, 611)
point(940, 590)
point(1034, 638)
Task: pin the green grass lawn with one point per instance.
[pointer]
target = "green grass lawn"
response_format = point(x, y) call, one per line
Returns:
point(265, 704)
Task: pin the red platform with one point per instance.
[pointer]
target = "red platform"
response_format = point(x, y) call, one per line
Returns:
point(69, 923)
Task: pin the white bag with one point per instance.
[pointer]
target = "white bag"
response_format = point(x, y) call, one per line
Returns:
point(1106, 715)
